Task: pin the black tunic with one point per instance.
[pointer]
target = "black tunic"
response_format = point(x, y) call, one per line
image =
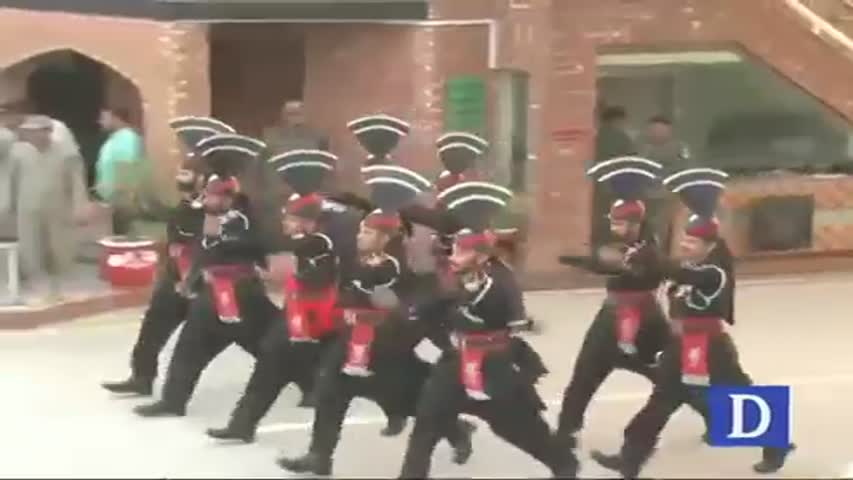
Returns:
point(185, 224)
point(703, 289)
point(236, 243)
point(316, 264)
point(489, 307)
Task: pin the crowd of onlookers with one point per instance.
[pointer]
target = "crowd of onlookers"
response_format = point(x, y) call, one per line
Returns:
point(44, 199)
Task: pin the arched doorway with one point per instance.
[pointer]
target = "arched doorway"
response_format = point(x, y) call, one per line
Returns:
point(72, 87)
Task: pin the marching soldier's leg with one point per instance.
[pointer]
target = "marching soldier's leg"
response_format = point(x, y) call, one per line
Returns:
point(726, 363)
point(165, 313)
point(592, 366)
point(273, 370)
point(197, 346)
point(522, 425)
point(334, 394)
point(442, 399)
point(641, 434)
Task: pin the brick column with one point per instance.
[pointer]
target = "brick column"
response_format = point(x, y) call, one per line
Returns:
point(186, 56)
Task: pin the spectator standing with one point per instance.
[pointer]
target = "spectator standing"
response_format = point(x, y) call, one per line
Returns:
point(290, 132)
point(48, 194)
point(661, 145)
point(611, 141)
point(119, 165)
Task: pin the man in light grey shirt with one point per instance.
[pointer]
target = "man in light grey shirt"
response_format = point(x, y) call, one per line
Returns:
point(291, 132)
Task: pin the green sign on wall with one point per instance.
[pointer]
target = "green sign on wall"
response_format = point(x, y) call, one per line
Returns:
point(465, 104)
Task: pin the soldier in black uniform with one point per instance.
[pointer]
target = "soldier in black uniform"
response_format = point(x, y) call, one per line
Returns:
point(379, 135)
point(375, 356)
point(231, 306)
point(291, 349)
point(480, 376)
point(630, 328)
point(702, 353)
point(168, 306)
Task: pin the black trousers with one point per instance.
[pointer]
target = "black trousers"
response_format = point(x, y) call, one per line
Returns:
point(204, 337)
point(279, 363)
point(166, 311)
point(394, 386)
point(515, 417)
point(641, 434)
point(600, 355)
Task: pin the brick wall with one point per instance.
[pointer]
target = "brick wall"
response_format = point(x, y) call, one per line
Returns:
point(354, 70)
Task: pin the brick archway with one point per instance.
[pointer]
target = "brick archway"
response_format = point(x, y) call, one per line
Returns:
point(73, 86)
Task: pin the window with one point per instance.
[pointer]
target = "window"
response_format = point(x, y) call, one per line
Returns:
point(732, 110)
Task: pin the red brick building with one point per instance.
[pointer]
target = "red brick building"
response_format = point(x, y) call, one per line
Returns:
point(528, 73)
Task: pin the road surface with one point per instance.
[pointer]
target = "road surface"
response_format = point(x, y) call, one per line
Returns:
point(57, 421)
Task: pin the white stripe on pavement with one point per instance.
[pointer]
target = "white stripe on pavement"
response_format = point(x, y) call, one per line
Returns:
point(604, 398)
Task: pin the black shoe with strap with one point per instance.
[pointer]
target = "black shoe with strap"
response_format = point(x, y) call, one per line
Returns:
point(245, 435)
point(159, 409)
point(309, 463)
point(464, 447)
point(133, 385)
point(773, 459)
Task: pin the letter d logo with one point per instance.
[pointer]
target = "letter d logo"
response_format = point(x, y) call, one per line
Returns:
point(752, 416)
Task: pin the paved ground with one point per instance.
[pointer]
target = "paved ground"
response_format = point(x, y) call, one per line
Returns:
point(58, 422)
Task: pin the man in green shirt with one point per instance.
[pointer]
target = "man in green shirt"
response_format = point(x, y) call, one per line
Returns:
point(119, 163)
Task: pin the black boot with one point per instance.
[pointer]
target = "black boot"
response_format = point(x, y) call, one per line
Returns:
point(309, 463)
point(566, 464)
point(628, 466)
point(395, 426)
point(134, 385)
point(159, 409)
point(463, 447)
point(231, 432)
point(242, 425)
point(773, 459)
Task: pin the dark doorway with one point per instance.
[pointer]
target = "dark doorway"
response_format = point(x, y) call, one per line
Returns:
point(254, 68)
point(70, 87)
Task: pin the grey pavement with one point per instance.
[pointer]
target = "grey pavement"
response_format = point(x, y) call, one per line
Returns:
point(57, 421)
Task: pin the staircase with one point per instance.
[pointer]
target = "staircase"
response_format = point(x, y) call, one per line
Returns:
point(831, 20)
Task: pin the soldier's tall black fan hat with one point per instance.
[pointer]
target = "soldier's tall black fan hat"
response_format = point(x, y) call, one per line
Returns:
point(304, 171)
point(227, 154)
point(191, 130)
point(475, 204)
point(700, 190)
point(391, 189)
point(629, 178)
point(459, 151)
point(378, 135)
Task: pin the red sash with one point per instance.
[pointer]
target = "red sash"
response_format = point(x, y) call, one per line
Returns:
point(359, 348)
point(182, 255)
point(696, 333)
point(629, 316)
point(310, 315)
point(474, 347)
point(222, 280)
